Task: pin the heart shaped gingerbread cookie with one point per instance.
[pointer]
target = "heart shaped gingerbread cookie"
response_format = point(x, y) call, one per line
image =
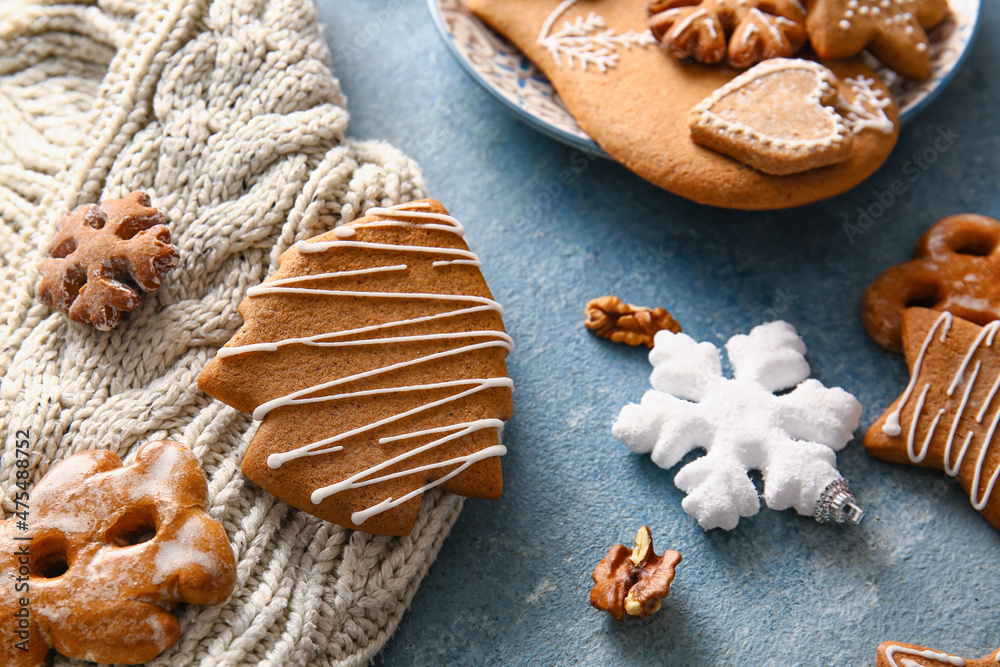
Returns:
point(778, 117)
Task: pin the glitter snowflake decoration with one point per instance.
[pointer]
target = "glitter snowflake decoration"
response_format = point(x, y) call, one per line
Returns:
point(744, 425)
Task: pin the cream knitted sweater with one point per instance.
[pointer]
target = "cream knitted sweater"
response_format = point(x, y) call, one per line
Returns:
point(227, 114)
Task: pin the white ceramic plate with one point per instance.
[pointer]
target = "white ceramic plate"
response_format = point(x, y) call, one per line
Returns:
point(514, 80)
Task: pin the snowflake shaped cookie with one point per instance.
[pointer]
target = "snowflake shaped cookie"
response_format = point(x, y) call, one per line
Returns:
point(743, 425)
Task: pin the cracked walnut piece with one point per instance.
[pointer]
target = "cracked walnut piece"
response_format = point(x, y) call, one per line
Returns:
point(633, 581)
point(610, 318)
point(757, 30)
point(102, 255)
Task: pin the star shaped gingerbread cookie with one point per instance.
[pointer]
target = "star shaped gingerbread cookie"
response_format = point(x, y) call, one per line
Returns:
point(893, 30)
point(948, 416)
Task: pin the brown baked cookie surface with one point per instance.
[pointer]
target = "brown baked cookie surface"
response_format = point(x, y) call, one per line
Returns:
point(955, 267)
point(635, 101)
point(99, 556)
point(375, 357)
point(896, 654)
point(948, 415)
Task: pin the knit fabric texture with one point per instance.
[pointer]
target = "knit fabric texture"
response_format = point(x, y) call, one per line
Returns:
point(227, 113)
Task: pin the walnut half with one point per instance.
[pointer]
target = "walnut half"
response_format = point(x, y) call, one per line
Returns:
point(633, 581)
point(609, 317)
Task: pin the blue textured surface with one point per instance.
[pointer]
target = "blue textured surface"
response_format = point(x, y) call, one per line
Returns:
point(555, 229)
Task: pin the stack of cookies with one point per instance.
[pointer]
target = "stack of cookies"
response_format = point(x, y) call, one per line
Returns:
point(752, 104)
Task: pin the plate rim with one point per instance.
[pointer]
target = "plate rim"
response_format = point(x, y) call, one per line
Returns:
point(588, 145)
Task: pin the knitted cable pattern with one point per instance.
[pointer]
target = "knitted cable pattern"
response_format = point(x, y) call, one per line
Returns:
point(227, 114)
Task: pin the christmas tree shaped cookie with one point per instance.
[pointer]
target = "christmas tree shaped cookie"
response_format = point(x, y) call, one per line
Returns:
point(947, 417)
point(375, 358)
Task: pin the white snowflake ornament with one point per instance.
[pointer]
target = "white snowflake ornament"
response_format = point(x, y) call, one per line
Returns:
point(743, 425)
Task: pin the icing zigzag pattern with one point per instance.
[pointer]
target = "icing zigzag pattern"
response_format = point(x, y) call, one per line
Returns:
point(375, 360)
point(894, 654)
point(949, 415)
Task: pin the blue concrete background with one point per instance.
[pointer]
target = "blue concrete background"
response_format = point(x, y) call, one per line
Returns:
point(555, 229)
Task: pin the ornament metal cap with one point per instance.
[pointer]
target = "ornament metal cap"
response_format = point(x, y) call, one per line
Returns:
point(836, 504)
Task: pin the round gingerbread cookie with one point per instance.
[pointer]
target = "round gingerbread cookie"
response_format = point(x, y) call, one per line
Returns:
point(637, 103)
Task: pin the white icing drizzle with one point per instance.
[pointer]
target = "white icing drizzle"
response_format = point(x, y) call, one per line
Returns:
point(890, 654)
point(335, 274)
point(988, 333)
point(450, 223)
point(980, 504)
point(773, 27)
point(319, 338)
point(587, 42)
point(360, 517)
point(917, 458)
point(356, 481)
point(989, 400)
point(402, 216)
point(691, 18)
point(892, 427)
point(275, 461)
point(867, 112)
point(309, 247)
point(710, 24)
point(953, 471)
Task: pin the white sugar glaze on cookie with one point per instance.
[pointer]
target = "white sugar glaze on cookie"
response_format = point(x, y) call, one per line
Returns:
point(892, 425)
point(867, 111)
point(890, 654)
point(405, 215)
point(587, 42)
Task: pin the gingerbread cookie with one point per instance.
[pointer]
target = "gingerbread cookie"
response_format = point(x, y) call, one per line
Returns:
point(756, 30)
point(956, 268)
point(948, 416)
point(892, 30)
point(778, 117)
point(375, 360)
point(102, 255)
point(636, 102)
point(103, 555)
point(894, 654)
